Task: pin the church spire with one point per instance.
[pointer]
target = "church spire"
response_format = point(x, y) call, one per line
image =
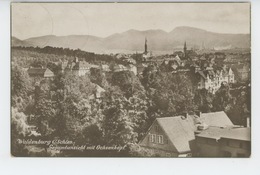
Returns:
point(145, 46)
point(185, 49)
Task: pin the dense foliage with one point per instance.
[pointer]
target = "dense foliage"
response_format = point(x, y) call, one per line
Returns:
point(67, 106)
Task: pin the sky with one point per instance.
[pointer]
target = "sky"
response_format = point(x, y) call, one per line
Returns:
point(104, 19)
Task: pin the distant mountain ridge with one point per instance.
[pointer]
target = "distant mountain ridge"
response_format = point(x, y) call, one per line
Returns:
point(133, 40)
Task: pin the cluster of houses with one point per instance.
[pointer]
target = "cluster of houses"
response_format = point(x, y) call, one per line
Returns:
point(79, 68)
point(210, 71)
point(211, 79)
point(204, 135)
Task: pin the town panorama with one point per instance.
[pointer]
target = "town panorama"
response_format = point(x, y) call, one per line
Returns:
point(135, 93)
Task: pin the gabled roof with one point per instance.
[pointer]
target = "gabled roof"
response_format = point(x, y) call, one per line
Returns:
point(202, 74)
point(39, 71)
point(180, 131)
point(219, 119)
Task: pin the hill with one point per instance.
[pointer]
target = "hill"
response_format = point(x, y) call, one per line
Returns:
point(133, 40)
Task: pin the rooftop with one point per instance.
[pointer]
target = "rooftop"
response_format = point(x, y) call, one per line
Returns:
point(180, 131)
point(38, 71)
point(236, 133)
point(219, 119)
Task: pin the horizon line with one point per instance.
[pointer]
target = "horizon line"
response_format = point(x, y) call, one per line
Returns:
point(129, 30)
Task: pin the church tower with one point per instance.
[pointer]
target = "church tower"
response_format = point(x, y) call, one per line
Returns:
point(145, 46)
point(185, 50)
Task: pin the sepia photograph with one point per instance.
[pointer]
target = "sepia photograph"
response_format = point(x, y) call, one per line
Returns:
point(154, 80)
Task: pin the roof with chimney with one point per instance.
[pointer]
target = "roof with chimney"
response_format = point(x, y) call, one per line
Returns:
point(234, 133)
point(180, 129)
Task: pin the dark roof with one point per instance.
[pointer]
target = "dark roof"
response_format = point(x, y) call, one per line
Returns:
point(39, 71)
point(227, 133)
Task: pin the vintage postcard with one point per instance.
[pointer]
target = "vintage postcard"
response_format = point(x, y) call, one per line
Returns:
point(130, 80)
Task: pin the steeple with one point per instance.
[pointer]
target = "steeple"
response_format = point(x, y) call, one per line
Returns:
point(185, 49)
point(145, 46)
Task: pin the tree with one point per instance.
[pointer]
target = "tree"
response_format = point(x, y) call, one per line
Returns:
point(203, 99)
point(169, 94)
point(19, 130)
point(117, 127)
point(223, 100)
point(98, 77)
point(240, 110)
point(53, 67)
point(20, 86)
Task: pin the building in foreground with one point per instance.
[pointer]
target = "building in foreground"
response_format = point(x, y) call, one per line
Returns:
point(175, 136)
point(224, 142)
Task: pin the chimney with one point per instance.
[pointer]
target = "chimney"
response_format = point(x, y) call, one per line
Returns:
point(248, 122)
point(200, 114)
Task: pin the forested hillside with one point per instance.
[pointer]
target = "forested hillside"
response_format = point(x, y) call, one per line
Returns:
point(64, 107)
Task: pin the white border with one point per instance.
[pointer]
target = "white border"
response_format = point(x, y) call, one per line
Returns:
point(78, 166)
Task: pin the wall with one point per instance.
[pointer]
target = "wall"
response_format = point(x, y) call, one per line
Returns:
point(207, 147)
point(235, 147)
point(158, 148)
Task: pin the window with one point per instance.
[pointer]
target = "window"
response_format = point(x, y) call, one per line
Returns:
point(160, 139)
point(152, 138)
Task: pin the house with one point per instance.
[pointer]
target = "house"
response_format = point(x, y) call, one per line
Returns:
point(77, 67)
point(105, 68)
point(175, 136)
point(170, 137)
point(98, 91)
point(40, 72)
point(212, 80)
point(132, 68)
point(81, 68)
point(119, 68)
point(224, 142)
